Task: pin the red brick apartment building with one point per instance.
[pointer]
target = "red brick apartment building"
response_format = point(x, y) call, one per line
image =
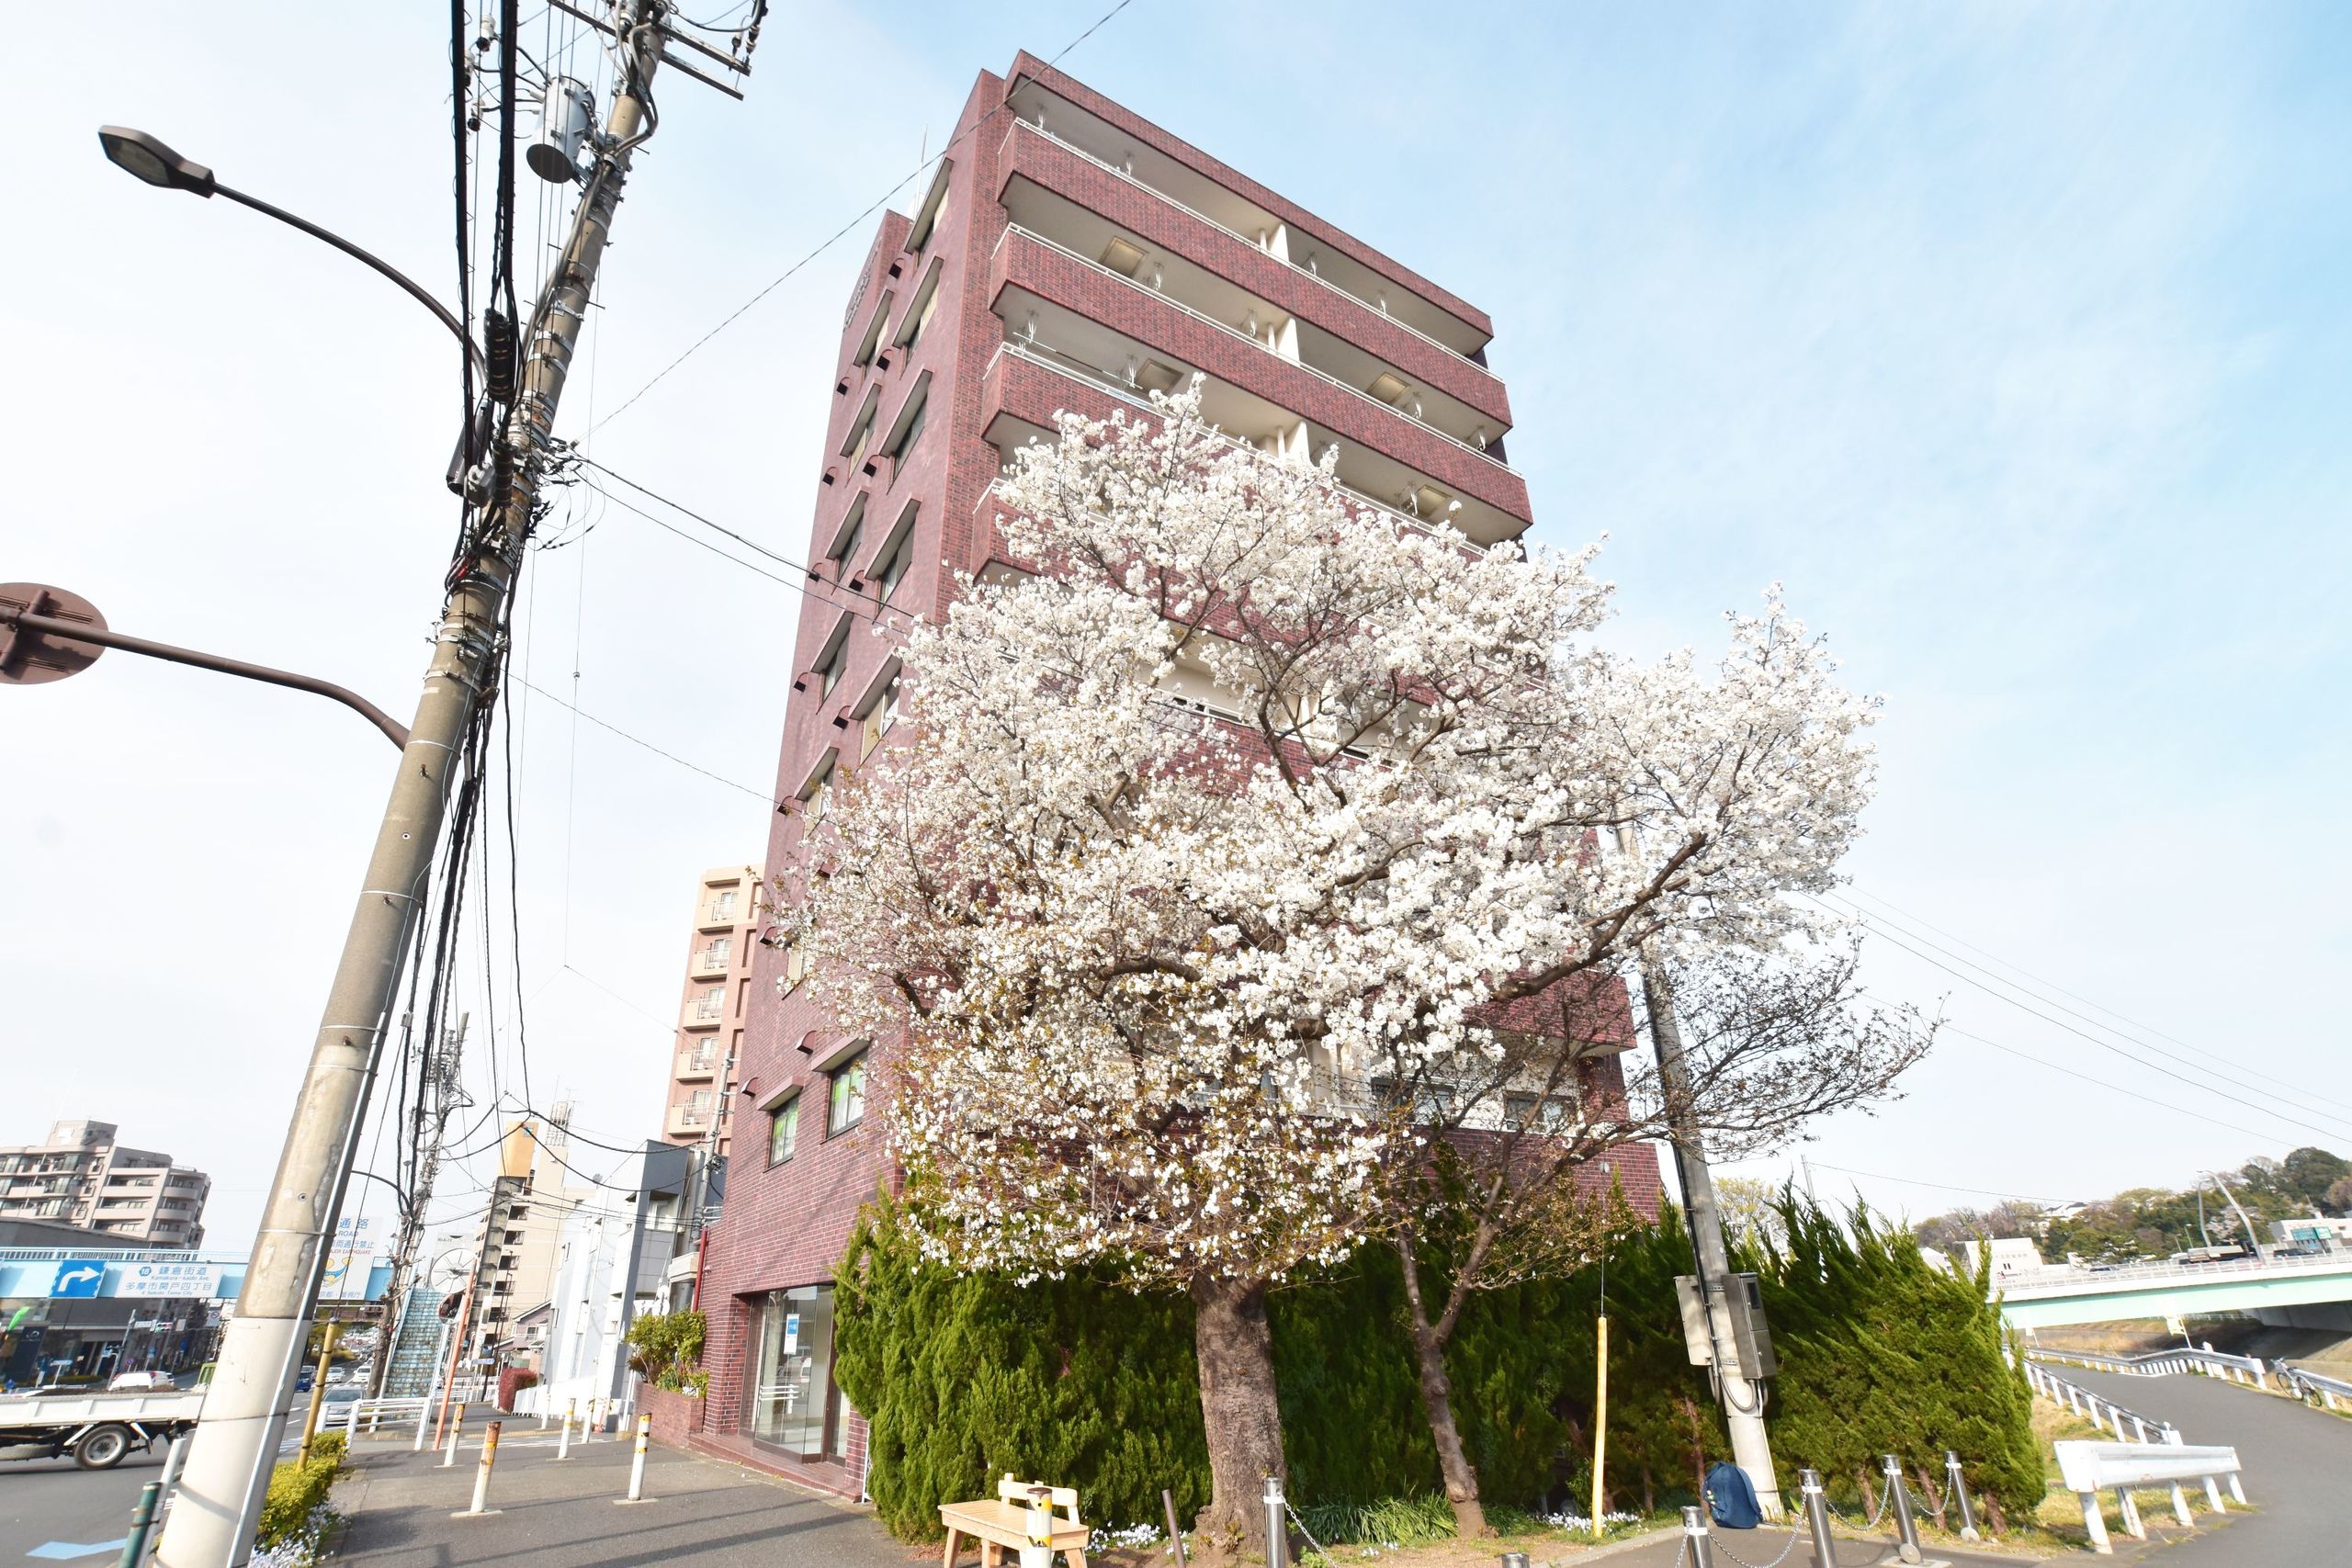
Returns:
point(1069, 255)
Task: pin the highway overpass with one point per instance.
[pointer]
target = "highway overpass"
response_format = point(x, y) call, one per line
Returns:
point(2285, 1292)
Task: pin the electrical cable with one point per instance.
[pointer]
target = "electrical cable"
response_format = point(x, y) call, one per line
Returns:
point(2236, 1071)
point(1943, 1186)
point(831, 239)
point(648, 745)
point(1890, 934)
point(2107, 1085)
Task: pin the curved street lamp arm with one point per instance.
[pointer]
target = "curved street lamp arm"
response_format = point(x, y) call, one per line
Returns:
point(347, 248)
point(76, 631)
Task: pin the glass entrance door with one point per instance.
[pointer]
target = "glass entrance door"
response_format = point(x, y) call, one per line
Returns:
point(792, 1388)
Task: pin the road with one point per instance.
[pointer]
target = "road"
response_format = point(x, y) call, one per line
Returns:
point(2297, 1461)
point(50, 1507)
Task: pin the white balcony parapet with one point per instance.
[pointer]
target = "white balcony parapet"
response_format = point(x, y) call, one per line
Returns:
point(1233, 332)
point(1309, 272)
point(1094, 376)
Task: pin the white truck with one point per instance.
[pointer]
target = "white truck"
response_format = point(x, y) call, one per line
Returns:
point(96, 1428)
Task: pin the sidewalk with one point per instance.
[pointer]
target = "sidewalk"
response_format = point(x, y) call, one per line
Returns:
point(398, 1506)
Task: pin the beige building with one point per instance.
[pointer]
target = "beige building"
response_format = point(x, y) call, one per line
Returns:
point(518, 1245)
point(710, 1013)
point(82, 1177)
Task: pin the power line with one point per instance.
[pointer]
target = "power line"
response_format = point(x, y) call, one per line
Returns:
point(1941, 1186)
point(2110, 1087)
point(2235, 1070)
point(830, 240)
point(648, 745)
point(1888, 932)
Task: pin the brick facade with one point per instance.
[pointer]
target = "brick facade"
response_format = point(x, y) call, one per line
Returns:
point(786, 1223)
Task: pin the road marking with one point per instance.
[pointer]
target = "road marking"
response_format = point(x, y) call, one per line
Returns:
point(65, 1549)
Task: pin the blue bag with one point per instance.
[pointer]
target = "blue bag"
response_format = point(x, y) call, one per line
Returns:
point(1731, 1498)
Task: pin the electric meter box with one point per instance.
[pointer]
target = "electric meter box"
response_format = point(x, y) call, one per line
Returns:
point(1740, 1310)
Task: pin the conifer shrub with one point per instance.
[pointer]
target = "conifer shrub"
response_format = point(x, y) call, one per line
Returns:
point(1085, 1383)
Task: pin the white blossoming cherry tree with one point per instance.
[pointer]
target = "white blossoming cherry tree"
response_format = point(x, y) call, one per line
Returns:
point(1227, 802)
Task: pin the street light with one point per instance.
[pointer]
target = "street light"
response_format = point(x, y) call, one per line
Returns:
point(145, 158)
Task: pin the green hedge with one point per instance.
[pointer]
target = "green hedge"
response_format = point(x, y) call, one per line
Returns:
point(1085, 1383)
point(296, 1489)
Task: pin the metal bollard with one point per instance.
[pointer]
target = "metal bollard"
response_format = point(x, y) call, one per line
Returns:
point(424, 1410)
point(481, 1475)
point(543, 1408)
point(1817, 1517)
point(142, 1519)
point(563, 1443)
point(1958, 1485)
point(456, 1427)
point(1277, 1526)
point(1702, 1550)
point(636, 1460)
point(1906, 1528)
point(351, 1424)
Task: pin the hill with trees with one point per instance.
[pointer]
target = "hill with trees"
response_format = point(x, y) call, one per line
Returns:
point(2153, 1221)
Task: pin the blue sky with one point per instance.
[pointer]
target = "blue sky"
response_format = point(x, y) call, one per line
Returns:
point(2013, 339)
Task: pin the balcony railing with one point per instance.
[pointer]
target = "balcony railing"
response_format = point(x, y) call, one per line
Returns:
point(1119, 174)
point(1233, 332)
point(1078, 369)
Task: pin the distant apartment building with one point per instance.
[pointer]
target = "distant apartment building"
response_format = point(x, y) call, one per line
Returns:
point(710, 1014)
point(82, 1177)
point(516, 1250)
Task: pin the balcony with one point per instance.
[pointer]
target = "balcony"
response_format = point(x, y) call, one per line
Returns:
point(1277, 347)
point(1166, 179)
point(1055, 190)
point(1027, 385)
point(699, 1063)
point(712, 960)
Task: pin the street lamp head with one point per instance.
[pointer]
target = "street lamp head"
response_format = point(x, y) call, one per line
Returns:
point(139, 154)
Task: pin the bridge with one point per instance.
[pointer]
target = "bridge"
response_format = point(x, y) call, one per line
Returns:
point(2285, 1292)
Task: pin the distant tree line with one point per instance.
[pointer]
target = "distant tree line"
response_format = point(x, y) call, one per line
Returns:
point(2152, 1222)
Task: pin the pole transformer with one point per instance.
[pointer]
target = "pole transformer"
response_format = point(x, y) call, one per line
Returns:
point(212, 1522)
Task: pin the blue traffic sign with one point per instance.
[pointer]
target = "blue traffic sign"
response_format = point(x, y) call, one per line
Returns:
point(78, 1277)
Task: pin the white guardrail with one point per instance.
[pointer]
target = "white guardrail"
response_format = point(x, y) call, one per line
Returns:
point(2151, 1454)
point(2089, 1469)
point(2166, 1363)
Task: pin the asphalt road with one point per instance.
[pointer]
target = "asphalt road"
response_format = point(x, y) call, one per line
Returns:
point(2298, 1461)
point(48, 1506)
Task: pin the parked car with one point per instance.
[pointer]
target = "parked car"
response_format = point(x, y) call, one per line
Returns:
point(139, 1381)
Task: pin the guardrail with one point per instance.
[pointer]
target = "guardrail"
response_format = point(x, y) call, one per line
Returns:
point(2089, 1469)
point(2089, 1404)
point(2251, 1370)
point(373, 1415)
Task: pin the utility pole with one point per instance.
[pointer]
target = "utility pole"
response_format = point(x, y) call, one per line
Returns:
point(212, 1523)
point(437, 1086)
point(1742, 1397)
point(2251, 1239)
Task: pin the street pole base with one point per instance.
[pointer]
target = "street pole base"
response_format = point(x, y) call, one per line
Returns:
point(628, 1502)
point(475, 1513)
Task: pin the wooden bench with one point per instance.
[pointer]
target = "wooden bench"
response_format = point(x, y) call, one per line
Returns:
point(1002, 1522)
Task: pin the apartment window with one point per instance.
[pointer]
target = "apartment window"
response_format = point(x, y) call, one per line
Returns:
point(845, 551)
point(783, 1131)
point(722, 906)
point(714, 956)
point(927, 215)
point(818, 795)
point(921, 308)
point(1537, 1114)
point(853, 444)
point(845, 1106)
point(833, 662)
point(873, 337)
point(880, 717)
point(711, 1003)
point(908, 428)
point(890, 562)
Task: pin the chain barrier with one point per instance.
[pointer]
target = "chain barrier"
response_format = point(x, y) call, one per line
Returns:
point(1682, 1552)
point(1300, 1525)
point(1796, 1532)
point(1884, 1497)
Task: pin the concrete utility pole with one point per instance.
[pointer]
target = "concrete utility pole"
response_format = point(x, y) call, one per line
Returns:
point(1742, 1397)
point(212, 1523)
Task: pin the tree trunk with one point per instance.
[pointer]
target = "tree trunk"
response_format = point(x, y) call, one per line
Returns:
point(1454, 1465)
point(1234, 1345)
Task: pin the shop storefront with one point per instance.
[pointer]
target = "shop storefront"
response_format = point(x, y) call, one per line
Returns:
point(794, 1404)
